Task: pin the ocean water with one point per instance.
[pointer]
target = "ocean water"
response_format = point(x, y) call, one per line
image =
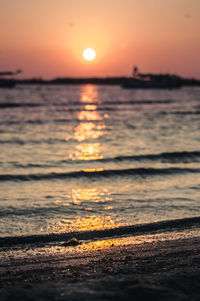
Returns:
point(82, 158)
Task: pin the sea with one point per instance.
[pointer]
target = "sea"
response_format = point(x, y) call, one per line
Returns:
point(98, 159)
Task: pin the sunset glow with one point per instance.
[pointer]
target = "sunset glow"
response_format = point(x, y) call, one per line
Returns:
point(48, 39)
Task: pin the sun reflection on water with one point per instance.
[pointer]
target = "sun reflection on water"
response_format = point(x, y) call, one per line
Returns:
point(87, 151)
point(89, 94)
point(90, 107)
point(90, 194)
point(93, 169)
point(88, 130)
point(85, 198)
point(89, 223)
point(89, 115)
point(91, 126)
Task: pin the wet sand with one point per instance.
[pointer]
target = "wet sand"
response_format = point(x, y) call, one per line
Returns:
point(103, 270)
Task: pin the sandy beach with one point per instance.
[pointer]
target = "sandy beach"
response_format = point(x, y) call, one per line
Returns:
point(103, 270)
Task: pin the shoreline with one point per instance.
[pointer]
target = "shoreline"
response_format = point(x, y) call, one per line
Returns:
point(182, 224)
point(104, 270)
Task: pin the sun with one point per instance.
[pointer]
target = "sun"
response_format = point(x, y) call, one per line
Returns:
point(89, 54)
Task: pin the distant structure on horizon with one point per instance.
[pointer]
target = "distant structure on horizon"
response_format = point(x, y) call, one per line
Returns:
point(138, 80)
point(151, 81)
point(6, 80)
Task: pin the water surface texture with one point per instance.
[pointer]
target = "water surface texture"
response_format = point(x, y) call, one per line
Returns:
point(80, 158)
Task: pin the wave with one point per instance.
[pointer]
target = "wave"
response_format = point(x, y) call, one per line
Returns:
point(99, 105)
point(138, 229)
point(36, 211)
point(5, 105)
point(174, 157)
point(115, 105)
point(181, 113)
point(49, 209)
point(23, 142)
point(93, 173)
point(40, 121)
point(16, 122)
point(138, 102)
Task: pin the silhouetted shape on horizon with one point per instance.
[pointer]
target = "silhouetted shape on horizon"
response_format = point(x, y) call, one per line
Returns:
point(101, 80)
point(75, 81)
point(6, 81)
point(138, 80)
point(10, 73)
point(152, 81)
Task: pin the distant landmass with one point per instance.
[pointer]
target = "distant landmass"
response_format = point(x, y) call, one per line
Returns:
point(74, 81)
point(104, 80)
point(142, 80)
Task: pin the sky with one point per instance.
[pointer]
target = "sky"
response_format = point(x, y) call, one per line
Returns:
point(46, 38)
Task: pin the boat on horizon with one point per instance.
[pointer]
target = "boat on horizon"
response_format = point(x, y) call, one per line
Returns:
point(151, 81)
point(6, 80)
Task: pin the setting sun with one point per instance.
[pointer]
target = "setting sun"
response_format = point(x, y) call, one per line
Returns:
point(89, 54)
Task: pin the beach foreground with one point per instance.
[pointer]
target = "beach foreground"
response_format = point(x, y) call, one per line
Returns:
point(103, 270)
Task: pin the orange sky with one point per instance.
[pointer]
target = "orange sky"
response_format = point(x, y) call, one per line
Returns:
point(46, 37)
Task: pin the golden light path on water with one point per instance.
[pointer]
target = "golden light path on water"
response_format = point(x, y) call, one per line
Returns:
point(90, 127)
point(88, 151)
point(86, 133)
point(90, 194)
point(88, 130)
point(83, 196)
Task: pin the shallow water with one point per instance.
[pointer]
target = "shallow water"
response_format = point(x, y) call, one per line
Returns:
point(79, 158)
